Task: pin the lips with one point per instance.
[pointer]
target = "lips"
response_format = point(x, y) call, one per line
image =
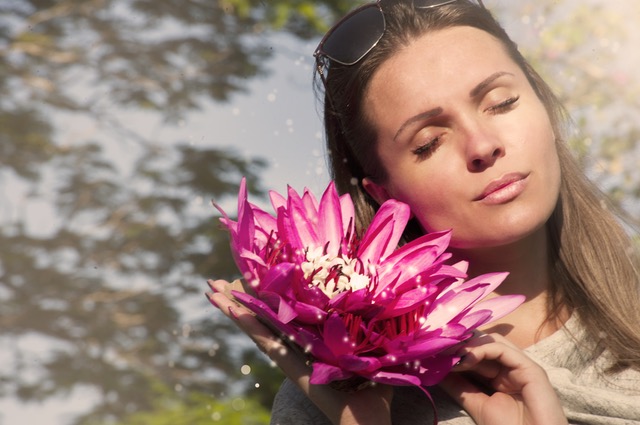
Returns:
point(496, 187)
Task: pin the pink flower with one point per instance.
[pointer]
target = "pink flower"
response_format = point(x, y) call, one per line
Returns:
point(360, 307)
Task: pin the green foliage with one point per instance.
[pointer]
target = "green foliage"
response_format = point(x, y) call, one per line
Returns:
point(116, 45)
point(35, 145)
point(171, 407)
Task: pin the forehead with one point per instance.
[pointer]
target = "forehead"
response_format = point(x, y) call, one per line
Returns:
point(443, 61)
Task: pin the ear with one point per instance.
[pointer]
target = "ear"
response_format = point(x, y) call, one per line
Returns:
point(376, 191)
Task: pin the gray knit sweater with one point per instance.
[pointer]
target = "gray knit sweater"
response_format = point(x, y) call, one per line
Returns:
point(573, 366)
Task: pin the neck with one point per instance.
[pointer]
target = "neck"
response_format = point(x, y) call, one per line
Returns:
point(527, 262)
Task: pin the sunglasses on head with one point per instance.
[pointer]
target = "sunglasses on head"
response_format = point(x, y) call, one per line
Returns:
point(357, 33)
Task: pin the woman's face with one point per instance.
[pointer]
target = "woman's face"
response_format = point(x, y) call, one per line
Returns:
point(464, 139)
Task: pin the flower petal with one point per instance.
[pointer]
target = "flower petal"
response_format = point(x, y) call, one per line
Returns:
point(324, 373)
point(425, 249)
point(407, 301)
point(336, 337)
point(330, 220)
point(308, 314)
point(401, 350)
point(309, 202)
point(262, 310)
point(286, 313)
point(359, 365)
point(384, 232)
point(278, 278)
point(394, 378)
point(434, 369)
point(498, 307)
point(347, 211)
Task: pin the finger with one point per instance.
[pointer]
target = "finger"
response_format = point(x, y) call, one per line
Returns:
point(473, 358)
point(508, 370)
point(294, 365)
point(225, 287)
point(499, 353)
point(488, 353)
point(266, 340)
point(485, 369)
point(291, 362)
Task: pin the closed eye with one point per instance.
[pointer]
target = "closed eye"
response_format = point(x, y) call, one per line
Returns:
point(426, 150)
point(504, 106)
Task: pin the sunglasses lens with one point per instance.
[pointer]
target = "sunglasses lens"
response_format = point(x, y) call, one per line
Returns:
point(355, 36)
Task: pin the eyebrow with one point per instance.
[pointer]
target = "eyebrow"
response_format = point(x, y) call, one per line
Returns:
point(486, 82)
point(477, 90)
point(420, 117)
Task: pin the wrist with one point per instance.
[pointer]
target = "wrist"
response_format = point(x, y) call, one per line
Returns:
point(370, 406)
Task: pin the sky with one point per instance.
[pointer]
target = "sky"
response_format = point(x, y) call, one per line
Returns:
point(276, 120)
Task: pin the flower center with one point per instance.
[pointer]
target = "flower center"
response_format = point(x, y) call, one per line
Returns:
point(333, 275)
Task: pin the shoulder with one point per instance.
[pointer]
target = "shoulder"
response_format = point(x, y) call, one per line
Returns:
point(577, 369)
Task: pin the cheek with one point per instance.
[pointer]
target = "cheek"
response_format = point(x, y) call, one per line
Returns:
point(431, 198)
point(555, 174)
point(550, 160)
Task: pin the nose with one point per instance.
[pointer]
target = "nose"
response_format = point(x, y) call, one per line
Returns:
point(483, 147)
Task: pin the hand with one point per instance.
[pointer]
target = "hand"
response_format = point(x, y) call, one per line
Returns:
point(523, 393)
point(367, 406)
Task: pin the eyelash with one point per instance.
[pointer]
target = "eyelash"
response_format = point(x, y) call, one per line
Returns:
point(425, 151)
point(505, 106)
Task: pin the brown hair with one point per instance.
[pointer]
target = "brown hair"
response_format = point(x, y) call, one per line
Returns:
point(594, 273)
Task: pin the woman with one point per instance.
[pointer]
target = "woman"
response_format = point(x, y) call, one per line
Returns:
point(430, 103)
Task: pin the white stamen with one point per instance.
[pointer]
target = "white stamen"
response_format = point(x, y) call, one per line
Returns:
point(334, 275)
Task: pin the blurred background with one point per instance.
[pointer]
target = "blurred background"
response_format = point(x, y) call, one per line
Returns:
point(120, 120)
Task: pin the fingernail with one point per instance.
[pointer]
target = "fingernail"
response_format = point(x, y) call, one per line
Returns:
point(233, 313)
point(460, 361)
point(209, 296)
point(210, 283)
